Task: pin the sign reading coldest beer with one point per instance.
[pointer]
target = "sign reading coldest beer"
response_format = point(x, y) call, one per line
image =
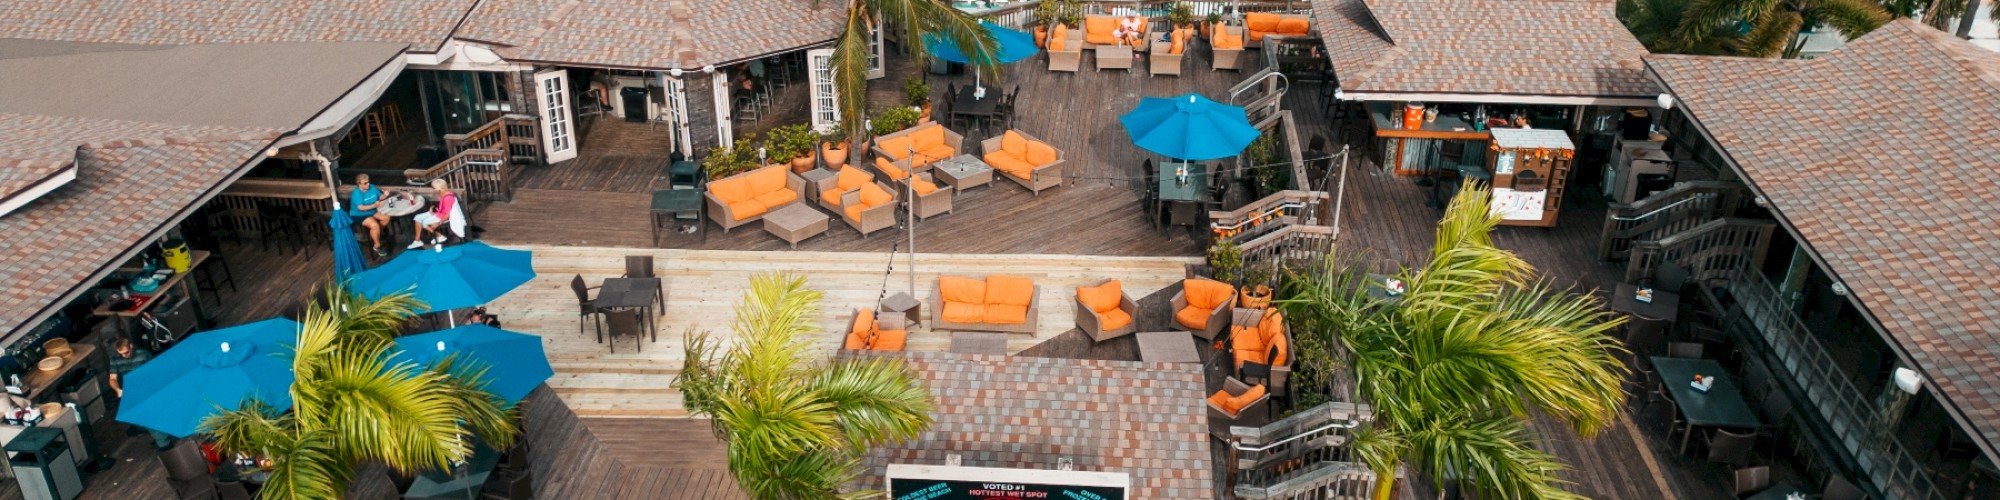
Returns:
point(927, 482)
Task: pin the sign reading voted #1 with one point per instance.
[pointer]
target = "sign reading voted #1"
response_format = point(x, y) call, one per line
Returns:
point(915, 482)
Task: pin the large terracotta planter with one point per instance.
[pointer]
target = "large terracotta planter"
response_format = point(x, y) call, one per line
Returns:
point(924, 115)
point(803, 163)
point(835, 154)
point(1041, 36)
point(1255, 297)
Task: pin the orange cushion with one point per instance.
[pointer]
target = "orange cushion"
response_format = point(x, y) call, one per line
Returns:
point(896, 148)
point(1206, 293)
point(850, 177)
point(962, 289)
point(1010, 290)
point(889, 170)
point(1057, 37)
point(1113, 319)
point(1221, 400)
point(964, 312)
point(1245, 338)
point(776, 198)
point(1005, 314)
point(890, 340)
point(855, 340)
point(859, 331)
point(1014, 144)
point(731, 190)
point(1040, 154)
point(1273, 325)
point(744, 210)
point(854, 212)
point(1229, 41)
point(767, 179)
point(928, 137)
point(873, 195)
point(1101, 298)
point(933, 154)
point(1249, 396)
point(1294, 26)
point(922, 187)
point(1179, 42)
point(1261, 21)
point(832, 195)
point(1099, 24)
point(1009, 164)
point(1279, 350)
point(1193, 317)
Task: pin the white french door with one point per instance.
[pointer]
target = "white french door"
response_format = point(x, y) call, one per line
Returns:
point(825, 101)
point(875, 68)
point(724, 113)
point(675, 109)
point(558, 133)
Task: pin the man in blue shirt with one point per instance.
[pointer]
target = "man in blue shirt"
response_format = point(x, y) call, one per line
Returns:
point(361, 204)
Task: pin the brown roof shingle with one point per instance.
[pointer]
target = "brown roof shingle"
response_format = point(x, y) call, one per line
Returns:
point(1884, 155)
point(131, 177)
point(1144, 419)
point(1569, 48)
point(422, 24)
point(655, 34)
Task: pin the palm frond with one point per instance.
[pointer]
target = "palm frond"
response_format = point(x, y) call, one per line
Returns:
point(398, 415)
point(776, 312)
point(1769, 37)
point(306, 468)
point(254, 427)
point(1493, 453)
point(1852, 18)
point(479, 411)
point(877, 400)
point(1704, 17)
point(850, 72)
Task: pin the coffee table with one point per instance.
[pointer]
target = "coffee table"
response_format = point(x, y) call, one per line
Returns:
point(994, 343)
point(963, 172)
point(795, 222)
point(905, 304)
point(1167, 347)
point(1114, 57)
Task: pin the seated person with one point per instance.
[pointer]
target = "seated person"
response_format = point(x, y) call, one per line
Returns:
point(438, 216)
point(1128, 30)
point(481, 317)
point(362, 205)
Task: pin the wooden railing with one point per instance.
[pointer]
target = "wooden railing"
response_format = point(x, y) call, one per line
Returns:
point(478, 175)
point(1759, 313)
point(1280, 209)
point(1719, 244)
point(1291, 246)
point(1677, 209)
point(1301, 456)
point(517, 135)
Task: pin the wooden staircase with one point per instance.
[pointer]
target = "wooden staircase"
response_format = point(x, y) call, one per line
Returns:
point(1304, 456)
point(481, 165)
point(1680, 208)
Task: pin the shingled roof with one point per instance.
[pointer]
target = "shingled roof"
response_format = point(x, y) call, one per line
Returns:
point(1144, 419)
point(132, 177)
point(1563, 48)
point(652, 34)
point(423, 25)
point(1884, 157)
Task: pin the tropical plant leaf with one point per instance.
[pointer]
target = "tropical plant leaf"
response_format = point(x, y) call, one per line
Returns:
point(1769, 38)
point(1852, 18)
point(306, 467)
point(877, 400)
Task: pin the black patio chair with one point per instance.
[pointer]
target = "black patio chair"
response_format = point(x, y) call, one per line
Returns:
point(1684, 350)
point(1149, 194)
point(1752, 479)
point(624, 323)
point(1642, 335)
point(585, 306)
point(641, 266)
point(1730, 447)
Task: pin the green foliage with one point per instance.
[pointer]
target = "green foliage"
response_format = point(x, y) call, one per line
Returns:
point(917, 91)
point(1181, 14)
point(1455, 366)
point(837, 136)
point(351, 406)
point(795, 427)
point(789, 142)
point(1698, 26)
point(912, 20)
point(1048, 13)
point(1269, 164)
point(891, 120)
point(1214, 17)
point(727, 161)
point(1225, 260)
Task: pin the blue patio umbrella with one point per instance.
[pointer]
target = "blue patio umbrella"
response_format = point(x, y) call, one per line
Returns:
point(514, 362)
point(451, 277)
point(209, 372)
point(1014, 45)
point(346, 252)
point(1189, 127)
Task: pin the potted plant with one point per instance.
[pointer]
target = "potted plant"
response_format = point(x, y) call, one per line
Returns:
point(892, 120)
point(1224, 261)
point(1181, 15)
point(1213, 24)
point(1072, 14)
point(1256, 292)
point(833, 148)
point(793, 144)
point(1047, 15)
point(919, 93)
point(723, 161)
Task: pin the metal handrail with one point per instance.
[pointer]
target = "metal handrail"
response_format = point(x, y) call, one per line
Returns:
point(1656, 211)
point(1350, 424)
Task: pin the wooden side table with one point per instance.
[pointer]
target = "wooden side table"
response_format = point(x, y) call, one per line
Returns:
point(912, 309)
point(669, 205)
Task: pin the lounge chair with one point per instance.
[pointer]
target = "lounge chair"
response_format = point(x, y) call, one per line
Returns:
point(1227, 45)
point(744, 198)
point(1267, 342)
point(1235, 400)
point(1202, 306)
point(862, 203)
point(1025, 160)
point(1104, 311)
point(929, 199)
point(867, 333)
point(1065, 49)
point(1261, 24)
point(915, 149)
point(1167, 56)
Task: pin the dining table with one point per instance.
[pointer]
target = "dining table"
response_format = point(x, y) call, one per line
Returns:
point(1780, 491)
point(1664, 306)
point(1722, 405)
point(968, 103)
point(1187, 197)
point(633, 293)
point(462, 480)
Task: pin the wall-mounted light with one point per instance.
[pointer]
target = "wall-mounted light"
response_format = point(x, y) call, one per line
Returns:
point(1666, 101)
point(1839, 289)
point(676, 72)
point(1908, 380)
point(1339, 95)
point(708, 69)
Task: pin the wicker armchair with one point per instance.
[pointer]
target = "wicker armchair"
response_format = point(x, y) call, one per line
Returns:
point(1227, 45)
point(1093, 322)
point(926, 205)
point(915, 149)
point(1164, 61)
point(1236, 389)
point(1215, 319)
point(1067, 55)
point(870, 218)
point(852, 187)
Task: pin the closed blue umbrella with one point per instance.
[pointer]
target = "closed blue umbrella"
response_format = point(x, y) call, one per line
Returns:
point(347, 259)
point(514, 362)
point(1189, 127)
point(451, 277)
point(1013, 45)
point(209, 372)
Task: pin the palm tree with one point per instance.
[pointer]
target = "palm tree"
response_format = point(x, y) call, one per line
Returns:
point(1765, 28)
point(914, 19)
point(350, 405)
point(795, 428)
point(1455, 367)
point(1656, 23)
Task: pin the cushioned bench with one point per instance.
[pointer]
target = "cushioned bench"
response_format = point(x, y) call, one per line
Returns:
point(744, 198)
point(1029, 162)
point(915, 149)
point(997, 303)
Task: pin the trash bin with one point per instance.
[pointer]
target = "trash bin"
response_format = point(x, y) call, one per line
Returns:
point(634, 101)
point(41, 461)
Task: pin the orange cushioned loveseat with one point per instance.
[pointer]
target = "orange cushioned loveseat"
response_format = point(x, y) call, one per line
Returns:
point(743, 198)
point(1202, 306)
point(1265, 23)
point(915, 149)
point(998, 303)
point(865, 333)
point(1029, 162)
